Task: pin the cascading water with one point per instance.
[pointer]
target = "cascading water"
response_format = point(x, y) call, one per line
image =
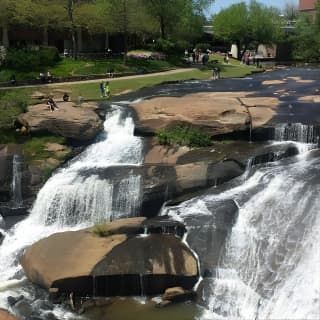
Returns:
point(295, 132)
point(268, 268)
point(80, 195)
point(16, 180)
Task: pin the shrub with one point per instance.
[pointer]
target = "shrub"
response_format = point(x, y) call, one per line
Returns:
point(101, 230)
point(183, 136)
point(164, 45)
point(11, 105)
point(31, 60)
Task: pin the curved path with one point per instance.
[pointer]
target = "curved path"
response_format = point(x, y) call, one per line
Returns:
point(58, 84)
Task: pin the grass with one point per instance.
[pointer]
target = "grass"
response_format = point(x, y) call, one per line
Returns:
point(34, 148)
point(12, 103)
point(69, 67)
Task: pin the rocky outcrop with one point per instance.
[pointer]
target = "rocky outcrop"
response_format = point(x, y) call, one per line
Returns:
point(5, 315)
point(118, 262)
point(213, 112)
point(70, 121)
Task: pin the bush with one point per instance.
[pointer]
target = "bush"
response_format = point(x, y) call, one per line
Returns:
point(183, 136)
point(31, 60)
point(11, 105)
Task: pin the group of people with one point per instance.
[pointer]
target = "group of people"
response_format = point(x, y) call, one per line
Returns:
point(197, 56)
point(105, 89)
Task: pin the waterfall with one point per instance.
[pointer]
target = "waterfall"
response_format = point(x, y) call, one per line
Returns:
point(295, 132)
point(269, 266)
point(74, 197)
point(16, 181)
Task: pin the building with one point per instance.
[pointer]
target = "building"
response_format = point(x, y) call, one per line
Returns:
point(308, 6)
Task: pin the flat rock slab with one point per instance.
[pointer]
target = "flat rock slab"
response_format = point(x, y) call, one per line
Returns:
point(80, 123)
point(214, 112)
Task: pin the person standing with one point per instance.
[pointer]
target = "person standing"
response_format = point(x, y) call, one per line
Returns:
point(102, 89)
point(107, 90)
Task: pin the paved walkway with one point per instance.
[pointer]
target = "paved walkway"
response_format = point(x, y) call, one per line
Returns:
point(57, 84)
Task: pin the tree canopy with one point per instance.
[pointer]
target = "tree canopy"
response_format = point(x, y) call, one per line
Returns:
point(167, 19)
point(247, 25)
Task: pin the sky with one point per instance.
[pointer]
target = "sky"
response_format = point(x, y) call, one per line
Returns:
point(222, 4)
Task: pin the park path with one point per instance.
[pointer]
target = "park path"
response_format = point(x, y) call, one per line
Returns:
point(58, 84)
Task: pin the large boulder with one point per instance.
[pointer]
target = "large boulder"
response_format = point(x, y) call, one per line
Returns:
point(215, 113)
point(80, 123)
point(113, 259)
point(5, 315)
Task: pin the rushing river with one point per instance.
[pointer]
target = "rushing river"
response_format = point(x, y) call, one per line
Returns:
point(268, 267)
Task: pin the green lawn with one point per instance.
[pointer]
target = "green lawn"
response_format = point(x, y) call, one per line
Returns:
point(69, 67)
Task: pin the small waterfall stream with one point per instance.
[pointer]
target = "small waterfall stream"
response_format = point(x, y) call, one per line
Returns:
point(16, 181)
point(78, 195)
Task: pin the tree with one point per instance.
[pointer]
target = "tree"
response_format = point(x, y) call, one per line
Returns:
point(11, 13)
point(247, 25)
point(45, 15)
point(306, 42)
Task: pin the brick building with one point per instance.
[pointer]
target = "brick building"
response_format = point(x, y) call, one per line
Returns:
point(308, 6)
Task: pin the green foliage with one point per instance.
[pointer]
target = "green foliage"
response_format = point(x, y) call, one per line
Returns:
point(183, 136)
point(101, 230)
point(306, 41)
point(46, 172)
point(248, 25)
point(203, 46)
point(31, 60)
point(12, 103)
point(34, 148)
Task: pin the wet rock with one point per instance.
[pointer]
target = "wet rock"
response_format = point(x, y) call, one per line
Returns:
point(85, 263)
point(40, 305)
point(13, 300)
point(92, 303)
point(274, 153)
point(207, 233)
point(23, 309)
point(49, 316)
point(178, 294)
point(163, 225)
point(163, 303)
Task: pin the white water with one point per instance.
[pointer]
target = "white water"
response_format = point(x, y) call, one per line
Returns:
point(270, 265)
point(295, 132)
point(16, 181)
point(72, 198)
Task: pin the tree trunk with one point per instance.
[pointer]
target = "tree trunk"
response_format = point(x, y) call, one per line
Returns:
point(162, 28)
point(73, 29)
point(5, 37)
point(79, 38)
point(125, 31)
point(107, 41)
point(45, 40)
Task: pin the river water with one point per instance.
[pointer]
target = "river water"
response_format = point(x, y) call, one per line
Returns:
point(267, 268)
